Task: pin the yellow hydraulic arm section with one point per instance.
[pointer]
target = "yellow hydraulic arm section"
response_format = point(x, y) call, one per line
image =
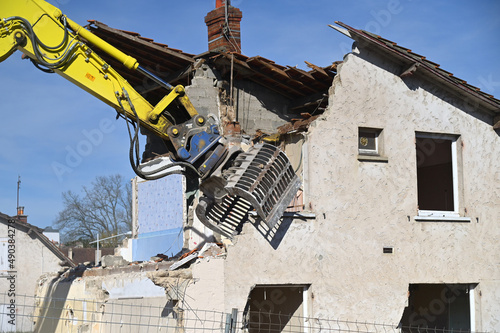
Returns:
point(58, 44)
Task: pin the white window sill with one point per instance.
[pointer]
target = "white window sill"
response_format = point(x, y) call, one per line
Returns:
point(436, 218)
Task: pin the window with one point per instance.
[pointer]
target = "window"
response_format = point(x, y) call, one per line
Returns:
point(437, 175)
point(447, 306)
point(370, 145)
point(277, 308)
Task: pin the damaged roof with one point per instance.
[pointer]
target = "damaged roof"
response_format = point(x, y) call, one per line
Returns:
point(305, 89)
point(170, 64)
point(416, 62)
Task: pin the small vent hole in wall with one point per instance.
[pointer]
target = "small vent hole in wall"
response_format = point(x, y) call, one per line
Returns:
point(388, 249)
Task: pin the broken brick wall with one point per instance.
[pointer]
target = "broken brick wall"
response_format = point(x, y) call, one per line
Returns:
point(253, 106)
point(258, 108)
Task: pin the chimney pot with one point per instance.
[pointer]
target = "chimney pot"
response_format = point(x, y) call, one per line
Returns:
point(20, 215)
point(220, 3)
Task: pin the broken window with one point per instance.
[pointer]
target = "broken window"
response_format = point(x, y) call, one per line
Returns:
point(277, 308)
point(437, 174)
point(443, 306)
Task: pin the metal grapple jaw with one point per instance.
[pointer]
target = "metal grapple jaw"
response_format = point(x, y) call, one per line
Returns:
point(261, 178)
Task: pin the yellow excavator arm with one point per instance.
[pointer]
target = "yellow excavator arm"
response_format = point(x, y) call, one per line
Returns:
point(55, 42)
point(232, 182)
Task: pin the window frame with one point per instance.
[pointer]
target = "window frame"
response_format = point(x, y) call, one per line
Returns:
point(445, 300)
point(444, 215)
point(372, 155)
point(371, 152)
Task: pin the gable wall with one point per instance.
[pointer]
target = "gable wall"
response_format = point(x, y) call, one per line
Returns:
point(377, 202)
point(362, 207)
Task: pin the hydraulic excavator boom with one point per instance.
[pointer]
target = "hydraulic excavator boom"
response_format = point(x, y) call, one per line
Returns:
point(232, 181)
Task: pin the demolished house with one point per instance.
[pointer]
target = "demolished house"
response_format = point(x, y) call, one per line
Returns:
point(396, 220)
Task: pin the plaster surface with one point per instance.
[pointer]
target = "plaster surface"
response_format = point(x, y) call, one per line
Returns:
point(363, 206)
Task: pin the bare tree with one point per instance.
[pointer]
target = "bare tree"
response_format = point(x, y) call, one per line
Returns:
point(104, 209)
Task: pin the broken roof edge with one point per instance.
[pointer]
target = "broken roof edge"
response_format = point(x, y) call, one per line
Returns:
point(489, 101)
point(245, 58)
point(136, 37)
point(29, 228)
point(290, 82)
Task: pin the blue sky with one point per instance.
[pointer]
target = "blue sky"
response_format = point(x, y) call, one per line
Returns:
point(47, 121)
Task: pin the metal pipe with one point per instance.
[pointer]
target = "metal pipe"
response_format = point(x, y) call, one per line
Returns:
point(155, 78)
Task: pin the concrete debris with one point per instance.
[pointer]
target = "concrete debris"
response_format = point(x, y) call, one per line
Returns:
point(209, 250)
point(64, 263)
point(172, 281)
point(62, 270)
point(185, 274)
point(297, 125)
point(159, 257)
point(184, 260)
point(113, 261)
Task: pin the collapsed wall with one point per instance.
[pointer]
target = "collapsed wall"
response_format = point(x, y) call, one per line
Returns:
point(142, 295)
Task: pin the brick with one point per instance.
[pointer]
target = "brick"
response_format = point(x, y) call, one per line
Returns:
point(215, 21)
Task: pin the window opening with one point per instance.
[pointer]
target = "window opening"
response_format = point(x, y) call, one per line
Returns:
point(447, 306)
point(277, 308)
point(436, 175)
point(368, 141)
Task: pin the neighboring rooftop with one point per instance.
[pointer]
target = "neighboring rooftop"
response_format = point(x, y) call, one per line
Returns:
point(37, 232)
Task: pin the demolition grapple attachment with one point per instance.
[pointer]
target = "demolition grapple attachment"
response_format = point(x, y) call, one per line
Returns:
point(262, 179)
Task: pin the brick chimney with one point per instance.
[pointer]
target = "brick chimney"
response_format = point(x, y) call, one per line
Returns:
point(224, 27)
point(20, 215)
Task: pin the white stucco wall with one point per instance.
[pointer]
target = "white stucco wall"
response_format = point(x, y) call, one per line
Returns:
point(361, 207)
point(31, 259)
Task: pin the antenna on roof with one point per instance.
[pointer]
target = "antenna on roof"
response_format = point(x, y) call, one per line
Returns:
point(18, 188)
